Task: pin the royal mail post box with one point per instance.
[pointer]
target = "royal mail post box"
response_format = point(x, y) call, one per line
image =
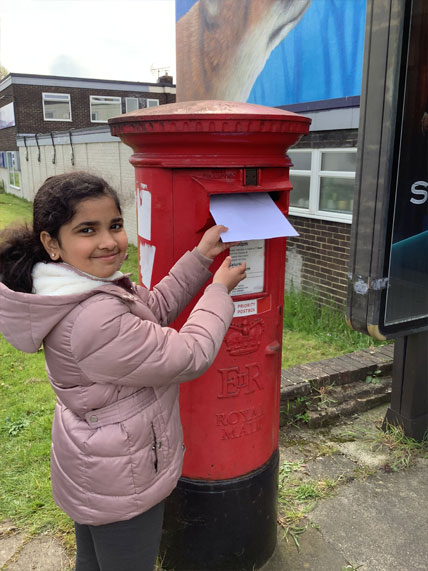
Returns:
point(223, 513)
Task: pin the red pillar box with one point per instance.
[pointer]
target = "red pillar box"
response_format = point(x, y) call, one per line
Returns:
point(223, 513)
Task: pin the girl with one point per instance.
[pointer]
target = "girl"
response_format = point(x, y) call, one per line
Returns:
point(112, 361)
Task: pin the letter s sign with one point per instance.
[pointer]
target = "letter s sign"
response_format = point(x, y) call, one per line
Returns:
point(419, 191)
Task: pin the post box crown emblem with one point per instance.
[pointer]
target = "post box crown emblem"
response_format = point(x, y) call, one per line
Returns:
point(244, 338)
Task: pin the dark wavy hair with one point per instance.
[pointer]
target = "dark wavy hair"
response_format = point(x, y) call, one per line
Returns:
point(54, 205)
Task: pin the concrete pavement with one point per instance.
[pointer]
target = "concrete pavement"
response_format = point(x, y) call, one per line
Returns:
point(377, 519)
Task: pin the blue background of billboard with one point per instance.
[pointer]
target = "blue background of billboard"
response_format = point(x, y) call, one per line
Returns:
point(321, 58)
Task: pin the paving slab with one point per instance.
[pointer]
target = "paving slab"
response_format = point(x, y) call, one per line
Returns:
point(314, 554)
point(9, 545)
point(42, 553)
point(381, 523)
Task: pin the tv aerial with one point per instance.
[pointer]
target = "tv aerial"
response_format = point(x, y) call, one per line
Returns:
point(160, 70)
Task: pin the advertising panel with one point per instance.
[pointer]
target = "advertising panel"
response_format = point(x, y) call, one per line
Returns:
point(269, 52)
point(407, 291)
point(388, 272)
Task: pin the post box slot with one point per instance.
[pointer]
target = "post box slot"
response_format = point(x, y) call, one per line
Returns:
point(280, 197)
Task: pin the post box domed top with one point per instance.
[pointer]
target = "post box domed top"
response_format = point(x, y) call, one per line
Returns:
point(209, 132)
point(208, 115)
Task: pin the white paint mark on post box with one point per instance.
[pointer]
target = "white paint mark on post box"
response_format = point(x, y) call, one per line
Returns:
point(147, 258)
point(144, 212)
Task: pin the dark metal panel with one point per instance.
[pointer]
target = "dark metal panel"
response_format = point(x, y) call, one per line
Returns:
point(381, 66)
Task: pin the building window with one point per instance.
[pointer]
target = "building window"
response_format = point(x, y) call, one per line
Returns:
point(323, 183)
point(3, 159)
point(56, 107)
point(152, 102)
point(131, 104)
point(14, 169)
point(103, 108)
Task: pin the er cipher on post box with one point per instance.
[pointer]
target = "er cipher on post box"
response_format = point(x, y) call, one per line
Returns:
point(223, 513)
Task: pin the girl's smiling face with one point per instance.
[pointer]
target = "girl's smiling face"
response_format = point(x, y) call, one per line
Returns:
point(94, 241)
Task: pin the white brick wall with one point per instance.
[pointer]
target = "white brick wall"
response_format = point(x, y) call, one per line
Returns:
point(109, 160)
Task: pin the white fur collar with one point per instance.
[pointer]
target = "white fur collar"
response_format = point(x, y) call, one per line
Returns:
point(62, 279)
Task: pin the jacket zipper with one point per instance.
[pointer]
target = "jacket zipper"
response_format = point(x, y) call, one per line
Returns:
point(155, 448)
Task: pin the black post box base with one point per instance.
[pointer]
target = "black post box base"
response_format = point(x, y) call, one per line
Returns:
point(227, 525)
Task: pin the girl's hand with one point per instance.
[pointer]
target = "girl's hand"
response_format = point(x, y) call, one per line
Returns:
point(211, 245)
point(228, 276)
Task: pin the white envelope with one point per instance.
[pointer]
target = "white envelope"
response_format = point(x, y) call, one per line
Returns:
point(249, 216)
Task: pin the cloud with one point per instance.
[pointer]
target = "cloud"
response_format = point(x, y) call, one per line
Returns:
point(67, 66)
point(60, 41)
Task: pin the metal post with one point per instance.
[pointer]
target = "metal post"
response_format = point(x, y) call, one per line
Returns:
point(409, 400)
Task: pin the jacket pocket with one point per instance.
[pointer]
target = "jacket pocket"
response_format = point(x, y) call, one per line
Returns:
point(161, 446)
point(155, 448)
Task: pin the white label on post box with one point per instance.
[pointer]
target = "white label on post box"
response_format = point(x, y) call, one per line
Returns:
point(253, 254)
point(147, 258)
point(243, 308)
point(144, 211)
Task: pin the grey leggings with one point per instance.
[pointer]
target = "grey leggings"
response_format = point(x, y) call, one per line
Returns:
point(130, 545)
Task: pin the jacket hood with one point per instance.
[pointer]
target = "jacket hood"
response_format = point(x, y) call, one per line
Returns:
point(27, 318)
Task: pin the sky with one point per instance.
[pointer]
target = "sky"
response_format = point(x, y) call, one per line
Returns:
point(101, 39)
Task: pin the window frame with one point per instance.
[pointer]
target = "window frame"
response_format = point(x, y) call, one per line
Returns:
point(126, 104)
point(47, 93)
point(14, 168)
point(118, 102)
point(151, 101)
point(315, 175)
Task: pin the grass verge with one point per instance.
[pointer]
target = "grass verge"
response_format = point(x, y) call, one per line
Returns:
point(26, 410)
point(312, 331)
point(14, 209)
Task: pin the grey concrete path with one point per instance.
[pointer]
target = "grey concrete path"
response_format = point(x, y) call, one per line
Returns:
point(376, 520)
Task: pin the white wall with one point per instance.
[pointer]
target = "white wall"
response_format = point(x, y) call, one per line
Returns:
point(110, 160)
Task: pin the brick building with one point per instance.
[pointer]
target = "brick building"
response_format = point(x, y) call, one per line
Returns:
point(38, 104)
point(321, 203)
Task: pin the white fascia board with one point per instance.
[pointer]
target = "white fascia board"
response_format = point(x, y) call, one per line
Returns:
point(161, 89)
point(95, 135)
point(333, 119)
point(93, 84)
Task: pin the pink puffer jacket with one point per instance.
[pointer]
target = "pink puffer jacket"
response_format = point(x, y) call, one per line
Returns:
point(116, 439)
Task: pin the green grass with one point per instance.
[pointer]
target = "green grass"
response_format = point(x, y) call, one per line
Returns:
point(130, 265)
point(298, 497)
point(313, 331)
point(400, 450)
point(14, 209)
point(26, 409)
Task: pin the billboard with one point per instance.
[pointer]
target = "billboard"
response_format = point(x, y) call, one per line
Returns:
point(407, 291)
point(270, 52)
point(388, 277)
